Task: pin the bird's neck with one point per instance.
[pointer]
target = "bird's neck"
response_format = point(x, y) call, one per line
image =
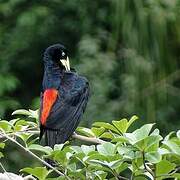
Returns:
point(52, 76)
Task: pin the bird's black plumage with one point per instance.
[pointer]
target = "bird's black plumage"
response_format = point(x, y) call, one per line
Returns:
point(73, 93)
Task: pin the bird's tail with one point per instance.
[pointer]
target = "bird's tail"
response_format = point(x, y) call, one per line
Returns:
point(53, 137)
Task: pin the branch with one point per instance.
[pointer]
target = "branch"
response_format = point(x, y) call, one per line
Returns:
point(88, 139)
point(34, 155)
point(75, 136)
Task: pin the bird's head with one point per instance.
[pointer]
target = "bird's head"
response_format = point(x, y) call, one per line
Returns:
point(57, 54)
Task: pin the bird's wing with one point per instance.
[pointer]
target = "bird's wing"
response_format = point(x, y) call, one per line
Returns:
point(48, 100)
point(66, 112)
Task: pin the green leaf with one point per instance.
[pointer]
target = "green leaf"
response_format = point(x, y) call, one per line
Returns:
point(21, 125)
point(13, 121)
point(176, 175)
point(124, 124)
point(85, 131)
point(121, 125)
point(164, 167)
point(30, 113)
point(34, 114)
point(99, 165)
point(97, 156)
point(58, 147)
point(124, 149)
point(60, 157)
point(137, 164)
point(1, 155)
point(115, 164)
point(21, 112)
point(57, 178)
point(24, 136)
point(76, 149)
point(153, 157)
point(2, 145)
point(107, 135)
point(87, 149)
point(141, 177)
point(143, 132)
point(100, 174)
point(45, 149)
point(103, 163)
point(106, 126)
point(78, 174)
point(132, 120)
point(139, 134)
point(33, 141)
point(97, 131)
point(79, 157)
point(5, 125)
point(163, 151)
point(120, 139)
point(106, 149)
point(168, 136)
point(122, 167)
point(69, 155)
point(172, 146)
point(150, 143)
point(72, 167)
point(22, 122)
point(155, 132)
point(40, 172)
point(178, 134)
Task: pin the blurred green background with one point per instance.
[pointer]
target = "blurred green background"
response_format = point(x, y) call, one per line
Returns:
point(128, 49)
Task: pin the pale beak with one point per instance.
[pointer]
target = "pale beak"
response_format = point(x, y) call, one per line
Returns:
point(65, 63)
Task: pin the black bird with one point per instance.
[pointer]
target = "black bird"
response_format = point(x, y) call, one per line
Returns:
point(64, 97)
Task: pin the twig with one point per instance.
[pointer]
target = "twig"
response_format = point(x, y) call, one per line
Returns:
point(88, 139)
point(146, 167)
point(29, 177)
point(5, 172)
point(121, 177)
point(34, 155)
point(117, 176)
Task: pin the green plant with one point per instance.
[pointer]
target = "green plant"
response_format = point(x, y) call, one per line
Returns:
point(116, 152)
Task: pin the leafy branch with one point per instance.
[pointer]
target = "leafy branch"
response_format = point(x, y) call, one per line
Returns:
point(114, 151)
point(32, 154)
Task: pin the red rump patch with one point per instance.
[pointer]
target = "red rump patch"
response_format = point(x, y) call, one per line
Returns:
point(49, 98)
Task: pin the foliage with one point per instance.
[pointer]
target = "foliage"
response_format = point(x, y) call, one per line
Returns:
point(123, 154)
point(127, 49)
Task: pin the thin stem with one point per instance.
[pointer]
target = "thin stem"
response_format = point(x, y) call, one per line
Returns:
point(117, 176)
point(121, 177)
point(5, 172)
point(29, 177)
point(146, 167)
point(34, 155)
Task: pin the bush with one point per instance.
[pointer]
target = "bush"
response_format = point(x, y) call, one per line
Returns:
point(116, 153)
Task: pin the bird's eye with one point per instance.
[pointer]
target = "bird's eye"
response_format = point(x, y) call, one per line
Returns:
point(63, 53)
